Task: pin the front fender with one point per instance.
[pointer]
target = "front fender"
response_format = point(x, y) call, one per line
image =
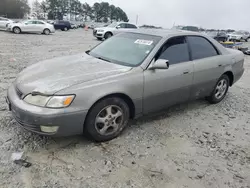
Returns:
point(88, 93)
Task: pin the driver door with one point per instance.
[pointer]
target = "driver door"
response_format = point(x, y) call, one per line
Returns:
point(166, 87)
point(29, 26)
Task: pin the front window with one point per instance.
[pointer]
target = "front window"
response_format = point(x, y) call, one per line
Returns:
point(129, 49)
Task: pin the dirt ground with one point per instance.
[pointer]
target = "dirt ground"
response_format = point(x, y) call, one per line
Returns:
point(190, 145)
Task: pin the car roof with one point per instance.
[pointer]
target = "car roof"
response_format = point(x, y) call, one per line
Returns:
point(164, 32)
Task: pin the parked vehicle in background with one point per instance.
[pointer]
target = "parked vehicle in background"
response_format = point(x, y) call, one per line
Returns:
point(129, 75)
point(219, 36)
point(62, 25)
point(239, 35)
point(190, 28)
point(31, 26)
point(112, 29)
point(73, 26)
point(4, 22)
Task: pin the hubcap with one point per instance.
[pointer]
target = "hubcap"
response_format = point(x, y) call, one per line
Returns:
point(109, 120)
point(16, 30)
point(46, 32)
point(220, 89)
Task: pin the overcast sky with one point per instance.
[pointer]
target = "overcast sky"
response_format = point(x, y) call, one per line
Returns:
point(222, 14)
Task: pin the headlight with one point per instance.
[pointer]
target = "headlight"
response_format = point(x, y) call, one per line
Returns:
point(49, 101)
point(60, 101)
point(100, 31)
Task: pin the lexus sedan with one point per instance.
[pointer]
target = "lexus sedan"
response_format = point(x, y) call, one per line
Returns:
point(127, 76)
point(31, 26)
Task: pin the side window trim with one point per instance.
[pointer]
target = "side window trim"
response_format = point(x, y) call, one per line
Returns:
point(190, 50)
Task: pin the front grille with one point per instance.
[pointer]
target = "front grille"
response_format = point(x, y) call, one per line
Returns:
point(19, 93)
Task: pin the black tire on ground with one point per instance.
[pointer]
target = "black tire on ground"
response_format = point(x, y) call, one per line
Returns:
point(16, 30)
point(214, 98)
point(92, 128)
point(108, 35)
point(46, 31)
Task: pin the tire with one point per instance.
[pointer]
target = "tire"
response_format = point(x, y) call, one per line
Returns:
point(65, 29)
point(221, 87)
point(113, 115)
point(108, 35)
point(46, 31)
point(16, 30)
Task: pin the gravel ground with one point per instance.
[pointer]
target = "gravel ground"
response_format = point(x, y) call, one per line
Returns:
point(189, 145)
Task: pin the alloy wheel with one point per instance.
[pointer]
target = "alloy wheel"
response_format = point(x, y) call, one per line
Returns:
point(221, 89)
point(109, 120)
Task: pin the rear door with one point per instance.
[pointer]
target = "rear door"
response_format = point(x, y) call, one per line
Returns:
point(208, 65)
point(40, 26)
point(166, 87)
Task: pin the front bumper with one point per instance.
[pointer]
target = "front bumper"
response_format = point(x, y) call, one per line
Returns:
point(98, 35)
point(69, 121)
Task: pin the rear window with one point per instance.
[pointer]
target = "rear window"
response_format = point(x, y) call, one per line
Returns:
point(201, 47)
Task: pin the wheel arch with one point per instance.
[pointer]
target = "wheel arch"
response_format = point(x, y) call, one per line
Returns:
point(122, 96)
point(16, 27)
point(230, 76)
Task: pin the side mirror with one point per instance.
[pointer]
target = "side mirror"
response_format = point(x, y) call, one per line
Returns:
point(118, 27)
point(159, 64)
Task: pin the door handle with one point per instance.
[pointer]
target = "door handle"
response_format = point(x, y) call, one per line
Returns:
point(219, 65)
point(186, 72)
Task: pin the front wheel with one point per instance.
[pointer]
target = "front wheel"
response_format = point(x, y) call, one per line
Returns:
point(220, 90)
point(106, 119)
point(17, 30)
point(107, 35)
point(65, 29)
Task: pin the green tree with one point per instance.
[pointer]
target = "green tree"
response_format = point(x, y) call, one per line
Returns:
point(14, 8)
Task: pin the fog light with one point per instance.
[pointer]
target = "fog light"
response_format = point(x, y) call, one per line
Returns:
point(49, 129)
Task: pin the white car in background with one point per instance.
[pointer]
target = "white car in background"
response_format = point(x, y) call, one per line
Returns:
point(112, 29)
point(4, 22)
point(31, 26)
point(239, 35)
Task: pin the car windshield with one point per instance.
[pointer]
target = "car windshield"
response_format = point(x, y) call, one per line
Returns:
point(133, 51)
point(114, 24)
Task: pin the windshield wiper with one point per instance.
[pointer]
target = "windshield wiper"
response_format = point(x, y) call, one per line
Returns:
point(103, 59)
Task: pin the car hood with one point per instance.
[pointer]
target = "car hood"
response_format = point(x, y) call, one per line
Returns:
point(51, 76)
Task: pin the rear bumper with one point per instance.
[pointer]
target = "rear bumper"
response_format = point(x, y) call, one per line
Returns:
point(31, 117)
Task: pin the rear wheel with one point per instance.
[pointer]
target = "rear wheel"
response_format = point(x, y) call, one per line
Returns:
point(106, 119)
point(16, 30)
point(220, 90)
point(46, 31)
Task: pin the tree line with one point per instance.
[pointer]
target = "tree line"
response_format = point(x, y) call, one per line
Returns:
point(14, 8)
point(99, 12)
point(57, 9)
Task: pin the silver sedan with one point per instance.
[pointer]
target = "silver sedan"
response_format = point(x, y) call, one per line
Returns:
point(127, 76)
point(31, 26)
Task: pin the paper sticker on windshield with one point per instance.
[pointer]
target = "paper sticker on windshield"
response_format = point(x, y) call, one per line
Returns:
point(144, 42)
